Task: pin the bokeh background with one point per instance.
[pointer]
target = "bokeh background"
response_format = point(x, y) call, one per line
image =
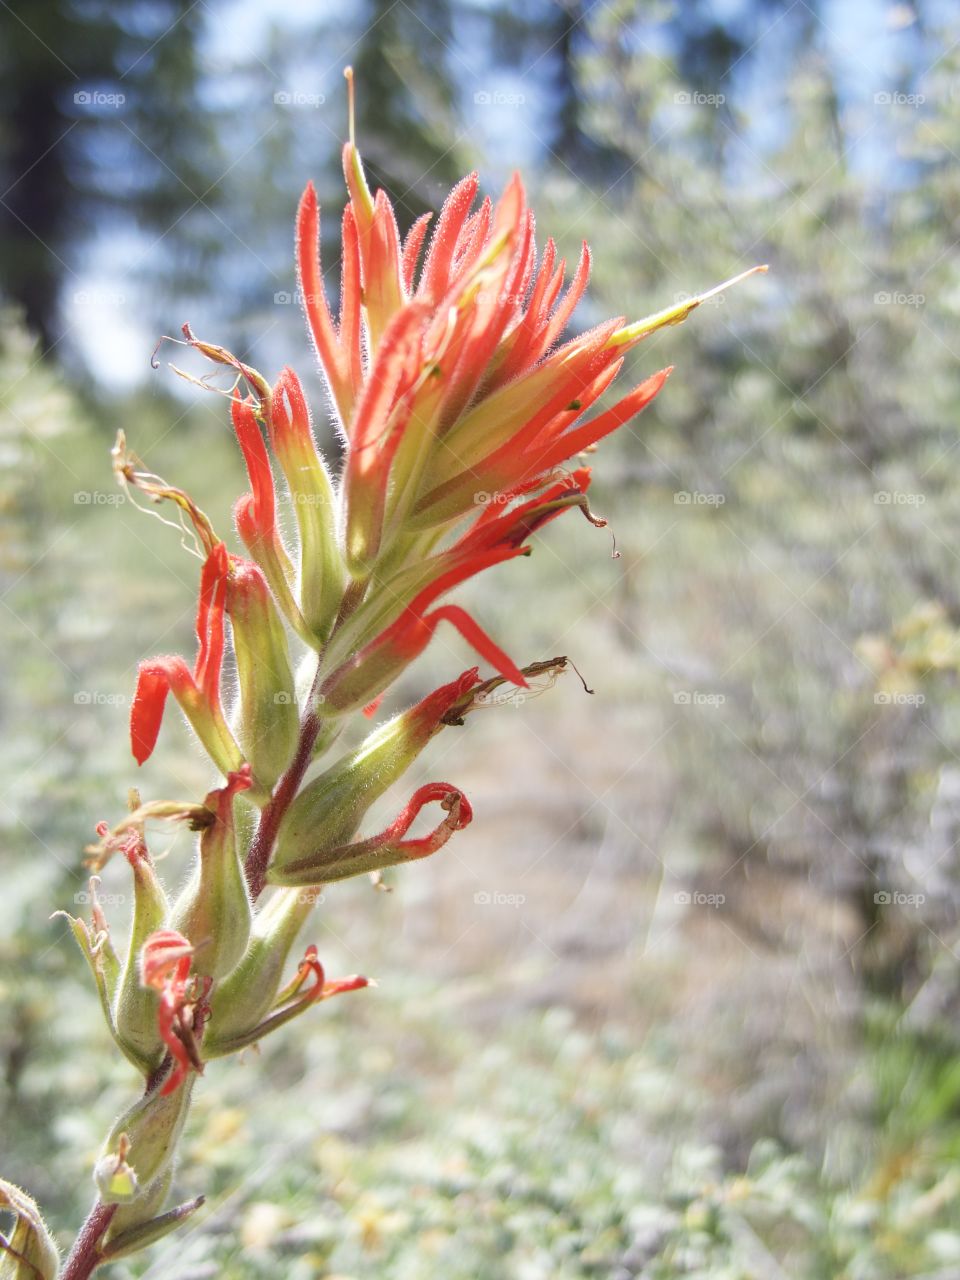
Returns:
point(683, 1000)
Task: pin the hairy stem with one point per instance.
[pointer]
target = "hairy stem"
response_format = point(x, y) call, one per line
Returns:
point(85, 1255)
point(265, 837)
point(261, 847)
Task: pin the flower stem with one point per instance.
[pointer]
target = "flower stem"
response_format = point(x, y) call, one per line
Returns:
point(261, 847)
point(85, 1255)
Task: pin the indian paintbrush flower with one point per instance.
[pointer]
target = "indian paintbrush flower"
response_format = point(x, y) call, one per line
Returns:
point(463, 408)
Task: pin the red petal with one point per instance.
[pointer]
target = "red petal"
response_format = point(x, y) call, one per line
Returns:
point(466, 567)
point(473, 238)
point(351, 310)
point(575, 292)
point(433, 791)
point(213, 593)
point(257, 461)
point(289, 414)
point(411, 249)
point(435, 277)
point(310, 276)
point(380, 267)
point(492, 309)
point(589, 433)
point(165, 957)
point(146, 712)
point(393, 369)
point(474, 635)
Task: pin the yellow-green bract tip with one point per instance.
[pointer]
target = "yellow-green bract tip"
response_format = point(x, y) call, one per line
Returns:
point(676, 314)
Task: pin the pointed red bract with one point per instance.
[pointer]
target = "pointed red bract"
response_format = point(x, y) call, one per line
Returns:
point(310, 275)
point(197, 691)
point(411, 249)
point(264, 509)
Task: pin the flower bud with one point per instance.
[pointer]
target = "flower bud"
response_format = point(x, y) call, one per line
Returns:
point(135, 1011)
point(29, 1252)
point(214, 911)
point(240, 1003)
point(269, 716)
point(119, 1244)
point(329, 810)
point(141, 1144)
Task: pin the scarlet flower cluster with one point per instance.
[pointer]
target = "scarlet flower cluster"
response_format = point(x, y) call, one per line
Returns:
point(463, 409)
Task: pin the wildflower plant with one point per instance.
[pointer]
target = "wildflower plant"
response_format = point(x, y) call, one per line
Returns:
point(464, 412)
